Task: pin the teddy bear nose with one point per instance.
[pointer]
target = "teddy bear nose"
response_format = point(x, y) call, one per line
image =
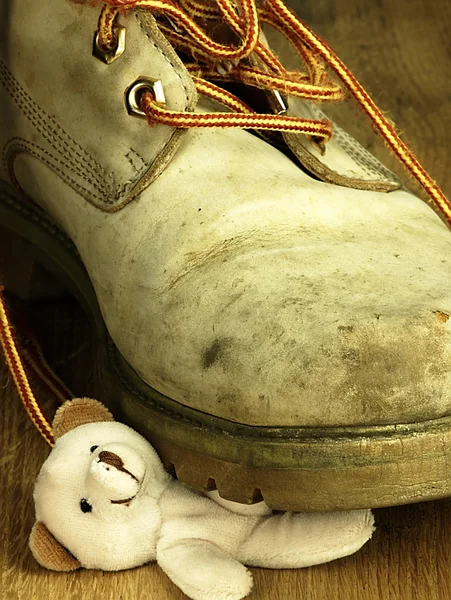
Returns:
point(110, 458)
point(116, 473)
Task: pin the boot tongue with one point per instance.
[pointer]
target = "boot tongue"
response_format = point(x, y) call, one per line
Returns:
point(342, 161)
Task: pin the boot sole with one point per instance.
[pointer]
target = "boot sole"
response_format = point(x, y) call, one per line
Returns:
point(303, 469)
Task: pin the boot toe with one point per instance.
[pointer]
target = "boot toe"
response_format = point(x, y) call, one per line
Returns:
point(330, 328)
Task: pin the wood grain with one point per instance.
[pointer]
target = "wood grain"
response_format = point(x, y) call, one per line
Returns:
point(401, 51)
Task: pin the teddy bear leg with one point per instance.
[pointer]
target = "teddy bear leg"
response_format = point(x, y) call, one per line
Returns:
point(203, 571)
point(292, 540)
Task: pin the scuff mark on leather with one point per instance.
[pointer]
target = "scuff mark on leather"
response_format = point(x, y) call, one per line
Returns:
point(216, 352)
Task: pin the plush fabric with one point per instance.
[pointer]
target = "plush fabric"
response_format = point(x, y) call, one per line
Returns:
point(104, 501)
point(44, 545)
point(82, 411)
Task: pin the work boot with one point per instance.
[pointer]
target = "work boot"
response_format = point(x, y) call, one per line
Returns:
point(274, 304)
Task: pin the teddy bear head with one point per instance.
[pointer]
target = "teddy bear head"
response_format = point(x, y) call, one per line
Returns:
point(97, 494)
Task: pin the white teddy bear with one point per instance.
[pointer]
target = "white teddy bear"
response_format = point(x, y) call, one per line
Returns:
point(104, 501)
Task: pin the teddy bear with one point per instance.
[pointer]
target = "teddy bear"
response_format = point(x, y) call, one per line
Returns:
point(104, 501)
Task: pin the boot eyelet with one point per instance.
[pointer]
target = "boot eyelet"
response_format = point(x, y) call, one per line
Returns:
point(136, 89)
point(109, 56)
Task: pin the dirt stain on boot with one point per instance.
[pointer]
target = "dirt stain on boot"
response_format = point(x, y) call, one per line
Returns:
point(216, 352)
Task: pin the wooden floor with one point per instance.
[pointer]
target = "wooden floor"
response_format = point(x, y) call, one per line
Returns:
point(401, 51)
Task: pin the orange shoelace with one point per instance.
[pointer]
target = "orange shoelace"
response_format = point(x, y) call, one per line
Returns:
point(30, 357)
point(181, 22)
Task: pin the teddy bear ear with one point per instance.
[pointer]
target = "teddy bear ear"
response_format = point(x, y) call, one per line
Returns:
point(49, 552)
point(79, 411)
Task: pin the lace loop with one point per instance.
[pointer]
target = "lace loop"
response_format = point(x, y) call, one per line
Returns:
point(157, 114)
point(178, 21)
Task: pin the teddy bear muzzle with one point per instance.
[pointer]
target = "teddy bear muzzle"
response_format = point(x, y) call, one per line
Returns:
point(116, 473)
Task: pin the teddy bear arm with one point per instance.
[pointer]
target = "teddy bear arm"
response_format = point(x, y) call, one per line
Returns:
point(294, 540)
point(203, 571)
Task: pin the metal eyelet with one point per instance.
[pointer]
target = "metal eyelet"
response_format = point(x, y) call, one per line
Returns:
point(110, 56)
point(133, 92)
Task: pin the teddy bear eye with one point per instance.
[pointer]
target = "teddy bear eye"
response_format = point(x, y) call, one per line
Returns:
point(92, 448)
point(85, 506)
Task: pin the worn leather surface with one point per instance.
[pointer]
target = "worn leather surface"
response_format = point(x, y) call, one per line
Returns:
point(240, 286)
point(67, 108)
point(282, 300)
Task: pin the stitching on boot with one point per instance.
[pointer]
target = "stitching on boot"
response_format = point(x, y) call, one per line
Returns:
point(18, 146)
point(75, 159)
point(133, 158)
point(364, 158)
point(48, 157)
point(51, 131)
